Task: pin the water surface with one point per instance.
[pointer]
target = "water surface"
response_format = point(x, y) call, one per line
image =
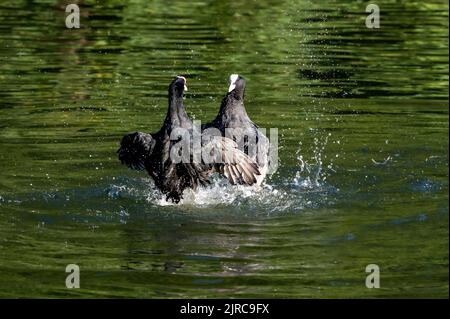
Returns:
point(363, 131)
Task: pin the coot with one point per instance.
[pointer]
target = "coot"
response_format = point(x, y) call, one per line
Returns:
point(154, 153)
point(233, 121)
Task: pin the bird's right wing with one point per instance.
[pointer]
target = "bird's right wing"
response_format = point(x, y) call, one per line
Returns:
point(135, 149)
point(234, 164)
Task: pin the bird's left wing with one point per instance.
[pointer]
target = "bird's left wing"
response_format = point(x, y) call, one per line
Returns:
point(231, 162)
point(135, 149)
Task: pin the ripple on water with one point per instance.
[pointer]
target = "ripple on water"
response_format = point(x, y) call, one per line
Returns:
point(425, 186)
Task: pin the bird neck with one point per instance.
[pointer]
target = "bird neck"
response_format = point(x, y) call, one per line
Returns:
point(232, 102)
point(176, 112)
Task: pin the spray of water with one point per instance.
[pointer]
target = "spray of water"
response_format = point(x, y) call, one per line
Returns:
point(312, 172)
point(305, 188)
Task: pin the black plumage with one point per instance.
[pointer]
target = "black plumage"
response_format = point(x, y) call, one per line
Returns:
point(154, 153)
point(232, 115)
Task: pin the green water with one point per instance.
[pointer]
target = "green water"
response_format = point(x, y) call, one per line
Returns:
point(363, 128)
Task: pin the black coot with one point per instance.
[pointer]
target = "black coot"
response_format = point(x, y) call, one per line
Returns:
point(152, 152)
point(232, 115)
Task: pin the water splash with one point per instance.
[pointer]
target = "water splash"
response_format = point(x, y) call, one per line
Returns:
point(218, 193)
point(311, 172)
point(306, 189)
point(296, 188)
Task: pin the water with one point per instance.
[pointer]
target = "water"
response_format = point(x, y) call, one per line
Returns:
point(363, 132)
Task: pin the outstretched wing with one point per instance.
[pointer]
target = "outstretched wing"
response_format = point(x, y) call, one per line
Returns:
point(234, 164)
point(135, 149)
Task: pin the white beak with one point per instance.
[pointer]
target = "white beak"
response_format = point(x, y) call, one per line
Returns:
point(185, 87)
point(233, 79)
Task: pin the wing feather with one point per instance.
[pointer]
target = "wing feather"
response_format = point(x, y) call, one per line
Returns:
point(236, 166)
point(135, 149)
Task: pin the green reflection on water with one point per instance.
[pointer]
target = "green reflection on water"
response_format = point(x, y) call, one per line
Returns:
point(343, 97)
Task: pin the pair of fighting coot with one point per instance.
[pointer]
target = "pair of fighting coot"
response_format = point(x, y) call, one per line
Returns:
point(243, 155)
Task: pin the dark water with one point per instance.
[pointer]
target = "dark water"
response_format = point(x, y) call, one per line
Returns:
point(362, 116)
